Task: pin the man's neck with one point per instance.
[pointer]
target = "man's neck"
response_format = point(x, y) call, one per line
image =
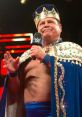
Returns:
point(53, 43)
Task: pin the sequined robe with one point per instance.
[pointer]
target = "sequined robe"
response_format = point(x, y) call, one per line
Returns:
point(67, 79)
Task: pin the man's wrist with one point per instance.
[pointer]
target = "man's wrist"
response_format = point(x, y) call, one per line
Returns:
point(13, 74)
point(46, 59)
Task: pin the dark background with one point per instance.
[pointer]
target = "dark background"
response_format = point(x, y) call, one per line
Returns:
point(17, 18)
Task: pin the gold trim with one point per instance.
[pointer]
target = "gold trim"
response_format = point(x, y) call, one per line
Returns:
point(62, 106)
point(56, 84)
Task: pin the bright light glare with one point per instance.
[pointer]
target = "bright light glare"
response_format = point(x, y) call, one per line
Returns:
point(23, 1)
point(19, 39)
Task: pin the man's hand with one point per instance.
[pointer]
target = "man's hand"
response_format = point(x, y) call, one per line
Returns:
point(11, 63)
point(37, 51)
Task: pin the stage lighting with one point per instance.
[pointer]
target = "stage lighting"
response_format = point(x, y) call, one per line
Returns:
point(23, 1)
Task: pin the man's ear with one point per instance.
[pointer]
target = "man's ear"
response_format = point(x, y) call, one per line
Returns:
point(60, 27)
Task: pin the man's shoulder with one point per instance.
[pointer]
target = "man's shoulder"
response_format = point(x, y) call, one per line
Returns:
point(69, 51)
point(68, 44)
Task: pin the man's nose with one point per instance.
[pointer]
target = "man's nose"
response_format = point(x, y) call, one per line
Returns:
point(46, 24)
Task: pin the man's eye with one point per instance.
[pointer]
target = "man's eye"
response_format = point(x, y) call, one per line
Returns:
point(50, 22)
point(42, 23)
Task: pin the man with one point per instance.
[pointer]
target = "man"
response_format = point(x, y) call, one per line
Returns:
point(51, 84)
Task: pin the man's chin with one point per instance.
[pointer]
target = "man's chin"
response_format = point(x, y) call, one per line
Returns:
point(47, 36)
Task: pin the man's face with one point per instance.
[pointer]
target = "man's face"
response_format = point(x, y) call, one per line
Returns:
point(50, 29)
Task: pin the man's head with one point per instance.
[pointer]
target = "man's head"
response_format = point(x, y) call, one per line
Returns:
point(47, 22)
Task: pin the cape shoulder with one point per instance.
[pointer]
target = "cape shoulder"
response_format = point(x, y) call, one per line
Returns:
point(24, 56)
point(63, 51)
point(68, 51)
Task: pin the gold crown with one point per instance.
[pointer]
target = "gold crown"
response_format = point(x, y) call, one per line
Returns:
point(45, 13)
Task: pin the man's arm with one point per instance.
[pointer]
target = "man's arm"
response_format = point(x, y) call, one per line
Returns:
point(13, 82)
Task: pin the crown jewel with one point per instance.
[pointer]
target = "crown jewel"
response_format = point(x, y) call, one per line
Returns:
point(45, 13)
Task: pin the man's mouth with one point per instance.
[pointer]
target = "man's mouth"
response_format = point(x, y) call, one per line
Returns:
point(46, 30)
